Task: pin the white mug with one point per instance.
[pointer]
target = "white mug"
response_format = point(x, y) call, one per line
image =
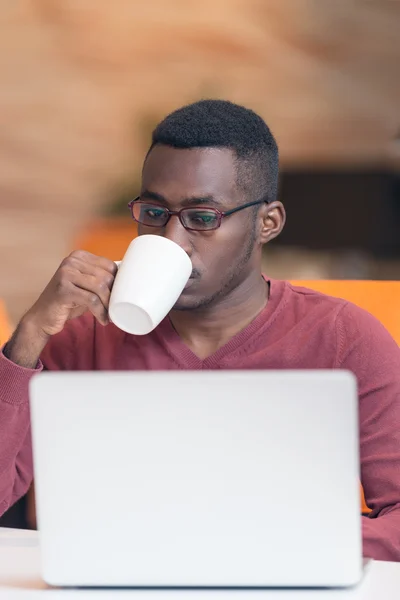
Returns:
point(150, 279)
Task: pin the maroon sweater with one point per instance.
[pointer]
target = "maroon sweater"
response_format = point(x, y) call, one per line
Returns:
point(298, 329)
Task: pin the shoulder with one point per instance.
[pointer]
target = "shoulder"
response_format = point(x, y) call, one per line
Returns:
point(308, 296)
point(347, 313)
point(311, 303)
point(353, 325)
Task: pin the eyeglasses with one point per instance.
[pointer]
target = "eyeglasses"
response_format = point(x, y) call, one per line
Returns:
point(192, 218)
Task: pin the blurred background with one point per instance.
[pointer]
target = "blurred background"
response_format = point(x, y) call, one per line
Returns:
point(83, 82)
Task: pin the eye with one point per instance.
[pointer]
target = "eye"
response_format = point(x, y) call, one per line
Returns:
point(205, 218)
point(154, 213)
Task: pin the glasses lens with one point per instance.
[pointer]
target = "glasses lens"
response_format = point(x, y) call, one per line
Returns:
point(200, 219)
point(149, 214)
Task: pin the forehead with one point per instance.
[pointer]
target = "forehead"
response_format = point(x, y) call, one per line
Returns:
point(180, 173)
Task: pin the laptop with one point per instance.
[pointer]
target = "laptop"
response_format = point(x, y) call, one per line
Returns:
point(231, 479)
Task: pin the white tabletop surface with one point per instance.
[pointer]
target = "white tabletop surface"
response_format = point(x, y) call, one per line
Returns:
point(20, 578)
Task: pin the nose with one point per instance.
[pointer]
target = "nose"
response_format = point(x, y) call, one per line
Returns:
point(175, 231)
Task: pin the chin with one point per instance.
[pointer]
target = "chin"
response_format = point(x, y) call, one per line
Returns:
point(195, 301)
point(189, 301)
point(187, 304)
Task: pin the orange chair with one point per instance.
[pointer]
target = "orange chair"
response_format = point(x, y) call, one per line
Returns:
point(5, 325)
point(380, 298)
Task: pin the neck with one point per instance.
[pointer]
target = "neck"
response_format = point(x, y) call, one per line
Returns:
point(205, 330)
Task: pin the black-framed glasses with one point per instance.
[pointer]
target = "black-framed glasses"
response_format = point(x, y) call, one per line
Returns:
point(196, 218)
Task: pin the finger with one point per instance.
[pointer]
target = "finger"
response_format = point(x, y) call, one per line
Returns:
point(91, 270)
point(93, 285)
point(80, 300)
point(92, 302)
point(99, 261)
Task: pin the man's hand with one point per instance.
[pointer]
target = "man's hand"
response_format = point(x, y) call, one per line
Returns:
point(82, 283)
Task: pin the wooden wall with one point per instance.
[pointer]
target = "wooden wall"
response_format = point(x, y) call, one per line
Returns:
point(78, 79)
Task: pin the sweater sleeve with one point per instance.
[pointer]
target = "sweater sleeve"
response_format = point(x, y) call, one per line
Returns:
point(16, 469)
point(70, 349)
point(366, 348)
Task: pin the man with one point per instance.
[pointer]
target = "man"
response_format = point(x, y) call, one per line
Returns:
point(220, 161)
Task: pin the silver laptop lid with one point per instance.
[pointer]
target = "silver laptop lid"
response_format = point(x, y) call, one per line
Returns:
point(197, 478)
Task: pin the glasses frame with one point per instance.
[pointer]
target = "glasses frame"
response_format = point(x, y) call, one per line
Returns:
point(178, 213)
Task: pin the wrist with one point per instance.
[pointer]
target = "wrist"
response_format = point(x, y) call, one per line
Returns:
point(30, 329)
point(26, 344)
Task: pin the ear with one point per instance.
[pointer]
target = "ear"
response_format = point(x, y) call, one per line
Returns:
point(273, 219)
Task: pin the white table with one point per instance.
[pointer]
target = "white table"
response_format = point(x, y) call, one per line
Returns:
point(20, 578)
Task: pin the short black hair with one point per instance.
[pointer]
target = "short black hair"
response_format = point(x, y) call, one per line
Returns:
point(223, 124)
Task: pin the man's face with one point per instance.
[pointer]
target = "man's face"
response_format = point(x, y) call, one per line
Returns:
point(222, 258)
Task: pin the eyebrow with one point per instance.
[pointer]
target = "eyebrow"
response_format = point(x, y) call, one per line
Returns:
point(190, 201)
